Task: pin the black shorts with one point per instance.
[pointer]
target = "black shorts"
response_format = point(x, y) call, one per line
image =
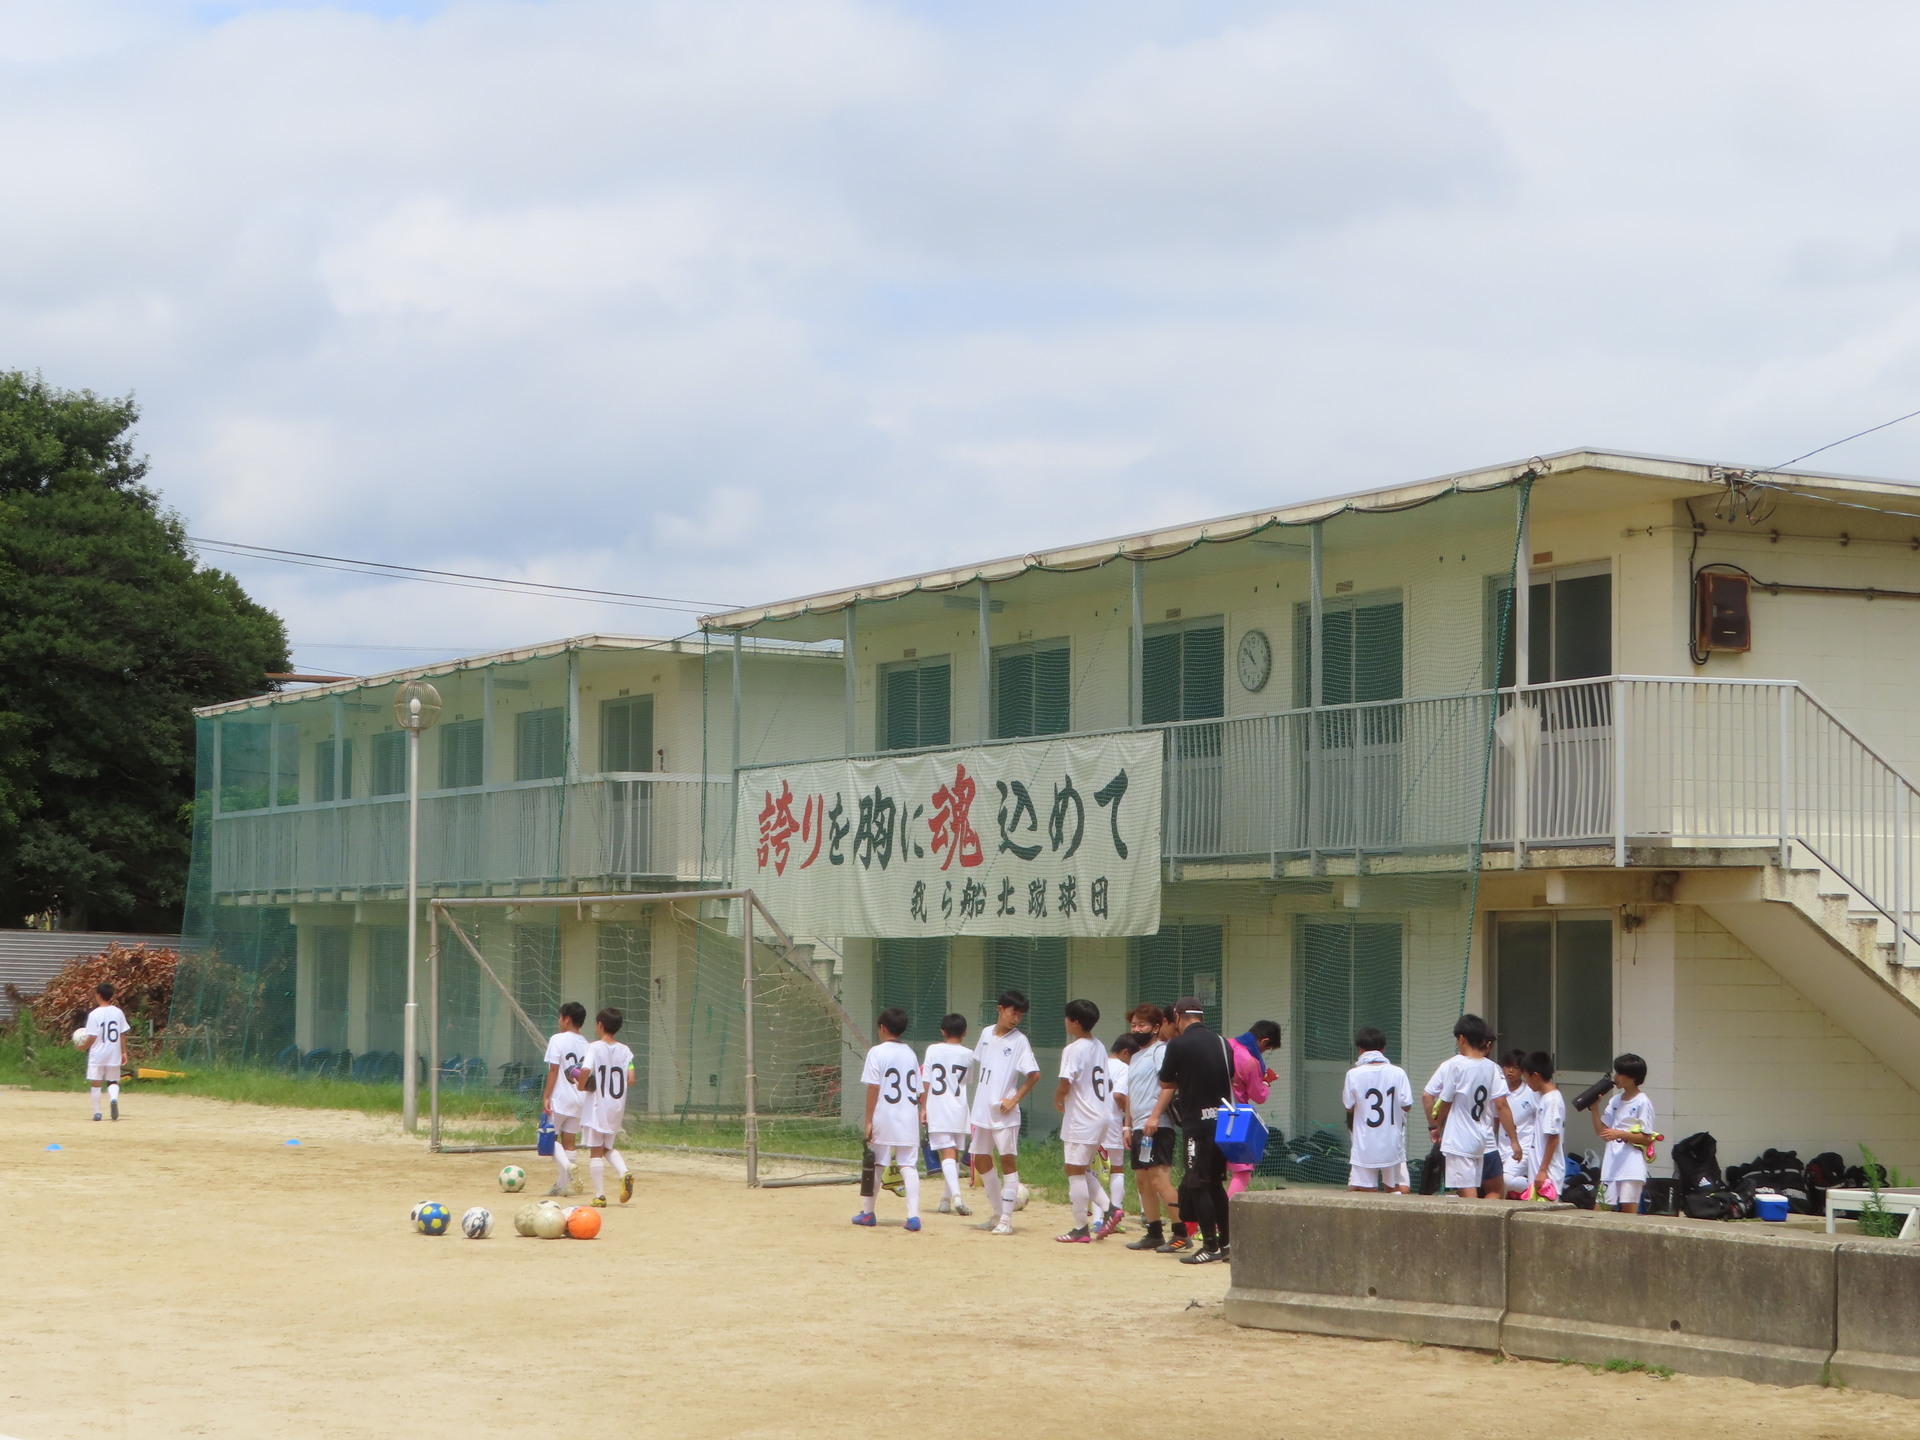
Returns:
point(1205, 1165)
point(1162, 1150)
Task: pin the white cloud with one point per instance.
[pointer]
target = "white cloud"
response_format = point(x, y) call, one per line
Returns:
point(736, 298)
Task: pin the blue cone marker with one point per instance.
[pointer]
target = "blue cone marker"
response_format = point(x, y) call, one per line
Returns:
point(293, 1142)
point(53, 1147)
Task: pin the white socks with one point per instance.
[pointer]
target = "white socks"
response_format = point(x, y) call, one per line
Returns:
point(1077, 1194)
point(619, 1162)
point(95, 1092)
point(951, 1170)
point(866, 1204)
point(992, 1179)
point(1009, 1193)
point(113, 1090)
point(1118, 1187)
point(562, 1164)
point(910, 1172)
point(597, 1167)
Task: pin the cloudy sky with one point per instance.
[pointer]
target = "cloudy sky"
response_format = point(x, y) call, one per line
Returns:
point(730, 300)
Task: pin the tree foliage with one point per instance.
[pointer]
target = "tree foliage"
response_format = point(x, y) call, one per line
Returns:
point(110, 634)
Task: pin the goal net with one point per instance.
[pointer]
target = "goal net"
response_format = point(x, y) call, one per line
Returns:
point(740, 1046)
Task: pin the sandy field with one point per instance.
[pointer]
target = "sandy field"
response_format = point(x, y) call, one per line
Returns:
point(185, 1272)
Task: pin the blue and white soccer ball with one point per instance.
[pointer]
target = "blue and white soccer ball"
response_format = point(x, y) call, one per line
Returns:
point(512, 1179)
point(477, 1223)
point(433, 1218)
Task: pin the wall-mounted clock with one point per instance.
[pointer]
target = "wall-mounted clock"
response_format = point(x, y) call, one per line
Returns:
point(1254, 660)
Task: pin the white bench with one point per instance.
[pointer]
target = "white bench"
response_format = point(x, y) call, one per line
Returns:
point(1904, 1201)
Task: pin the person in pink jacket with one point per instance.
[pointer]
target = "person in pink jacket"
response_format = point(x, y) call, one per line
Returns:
point(1252, 1081)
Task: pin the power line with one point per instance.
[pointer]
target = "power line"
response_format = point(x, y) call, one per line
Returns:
point(455, 578)
point(1843, 440)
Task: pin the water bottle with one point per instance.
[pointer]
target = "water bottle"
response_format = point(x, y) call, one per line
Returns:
point(1144, 1151)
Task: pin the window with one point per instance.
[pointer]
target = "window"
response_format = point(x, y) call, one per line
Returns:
point(389, 764)
point(1185, 958)
point(1183, 671)
point(1032, 689)
point(626, 735)
point(1349, 975)
point(386, 988)
point(330, 969)
point(462, 755)
point(259, 765)
point(536, 983)
point(916, 703)
point(1553, 988)
point(1363, 649)
point(324, 770)
point(625, 976)
point(539, 744)
point(913, 975)
point(1569, 626)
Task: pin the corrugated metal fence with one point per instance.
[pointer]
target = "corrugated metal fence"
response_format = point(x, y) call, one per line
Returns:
point(30, 958)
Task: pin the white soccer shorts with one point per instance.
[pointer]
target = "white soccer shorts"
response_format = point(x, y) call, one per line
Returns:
point(901, 1155)
point(1625, 1192)
point(109, 1074)
point(946, 1140)
point(1001, 1140)
point(1373, 1177)
point(565, 1124)
point(591, 1138)
point(1519, 1177)
point(1463, 1172)
point(1078, 1154)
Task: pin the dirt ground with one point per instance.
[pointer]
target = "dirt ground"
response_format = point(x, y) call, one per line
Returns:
point(185, 1272)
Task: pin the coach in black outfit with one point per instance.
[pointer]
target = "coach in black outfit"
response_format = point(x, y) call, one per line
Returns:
point(1195, 1077)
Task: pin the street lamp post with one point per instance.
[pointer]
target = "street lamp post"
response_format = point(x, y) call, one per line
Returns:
point(416, 707)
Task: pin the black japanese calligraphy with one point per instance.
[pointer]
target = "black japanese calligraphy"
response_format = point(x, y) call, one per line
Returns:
point(1110, 794)
point(1009, 818)
point(873, 839)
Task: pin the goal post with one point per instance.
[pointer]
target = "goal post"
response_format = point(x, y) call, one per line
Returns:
point(741, 1045)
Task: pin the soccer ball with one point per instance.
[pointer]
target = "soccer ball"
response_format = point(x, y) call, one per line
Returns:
point(79, 1037)
point(513, 1179)
point(523, 1217)
point(1020, 1200)
point(477, 1223)
point(583, 1222)
point(549, 1222)
point(433, 1218)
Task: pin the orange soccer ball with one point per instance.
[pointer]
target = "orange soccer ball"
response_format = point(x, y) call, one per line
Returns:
point(584, 1223)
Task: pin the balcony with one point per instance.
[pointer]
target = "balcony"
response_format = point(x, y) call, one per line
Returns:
point(533, 837)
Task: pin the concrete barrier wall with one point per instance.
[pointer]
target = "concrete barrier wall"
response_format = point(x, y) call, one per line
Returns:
point(1782, 1307)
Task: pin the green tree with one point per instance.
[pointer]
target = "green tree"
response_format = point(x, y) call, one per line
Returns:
point(110, 634)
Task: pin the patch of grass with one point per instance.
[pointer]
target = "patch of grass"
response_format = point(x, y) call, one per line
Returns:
point(1633, 1367)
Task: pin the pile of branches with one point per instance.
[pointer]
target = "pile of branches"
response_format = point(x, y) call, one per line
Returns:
point(142, 977)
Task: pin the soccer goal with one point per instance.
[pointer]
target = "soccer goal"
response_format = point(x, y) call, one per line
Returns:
point(740, 1042)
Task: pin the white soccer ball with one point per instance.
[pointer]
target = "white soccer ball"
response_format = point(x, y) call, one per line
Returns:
point(80, 1037)
point(1020, 1200)
point(477, 1223)
point(523, 1218)
point(513, 1179)
point(550, 1222)
point(413, 1215)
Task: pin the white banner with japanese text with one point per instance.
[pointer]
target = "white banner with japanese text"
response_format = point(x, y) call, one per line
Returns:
point(1041, 837)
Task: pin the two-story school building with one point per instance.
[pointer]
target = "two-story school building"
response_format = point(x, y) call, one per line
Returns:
point(1661, 806)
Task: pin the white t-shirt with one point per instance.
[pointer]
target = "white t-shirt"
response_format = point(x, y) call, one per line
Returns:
point(1379, 1095)
point(1089, 1111)
point(1549, 1118)
point(943, 1078)
point(895, 1069)
point(1143, 1080)
point(999, 1063)
point(1470, 1083)
point(1623, 1161)
point(567, 1047)
point(605, 1109)
point(1525, 1106)
point(108, 1026)
point(1118, 1073)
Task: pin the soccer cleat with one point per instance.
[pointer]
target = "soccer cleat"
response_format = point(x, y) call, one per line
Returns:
point(986, 1225)
point(1203, 1257)
point(1174, 1246)
point(599, 1202)
point(1102, 1168)
point(946, 1205)
point(1002, 1226)
point(1077, 1236)
point(866, 1218)
point(1109, 1223)
point(960, 1207)
point(113, 1107)
point(558, 1189)
point(891, 1179)
point(96, 1114)
point(1148, 1241)
point(913, 1224)
point(626, 1187)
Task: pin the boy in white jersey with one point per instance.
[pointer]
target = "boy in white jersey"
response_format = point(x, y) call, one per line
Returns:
point(1085, 1103)
point(1525, 1106)
point(1004, 1074)
point(1466, 1107)
point(1549, 1123)
point(106, 1047)
point(1627, 1127)
point(892, 1129)
point(561, 1098)
point(1377, 1096)
point(603, 1079)
point(943, 1105)
point(1120, 1126)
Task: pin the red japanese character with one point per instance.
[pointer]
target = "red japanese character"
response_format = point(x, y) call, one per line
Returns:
point(951, 822)
point(813, 826)
point(777, 829)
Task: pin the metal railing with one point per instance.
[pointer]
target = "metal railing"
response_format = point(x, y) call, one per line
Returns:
point(527, 833)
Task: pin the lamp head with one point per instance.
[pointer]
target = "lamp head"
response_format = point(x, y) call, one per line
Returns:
point(417, 705)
